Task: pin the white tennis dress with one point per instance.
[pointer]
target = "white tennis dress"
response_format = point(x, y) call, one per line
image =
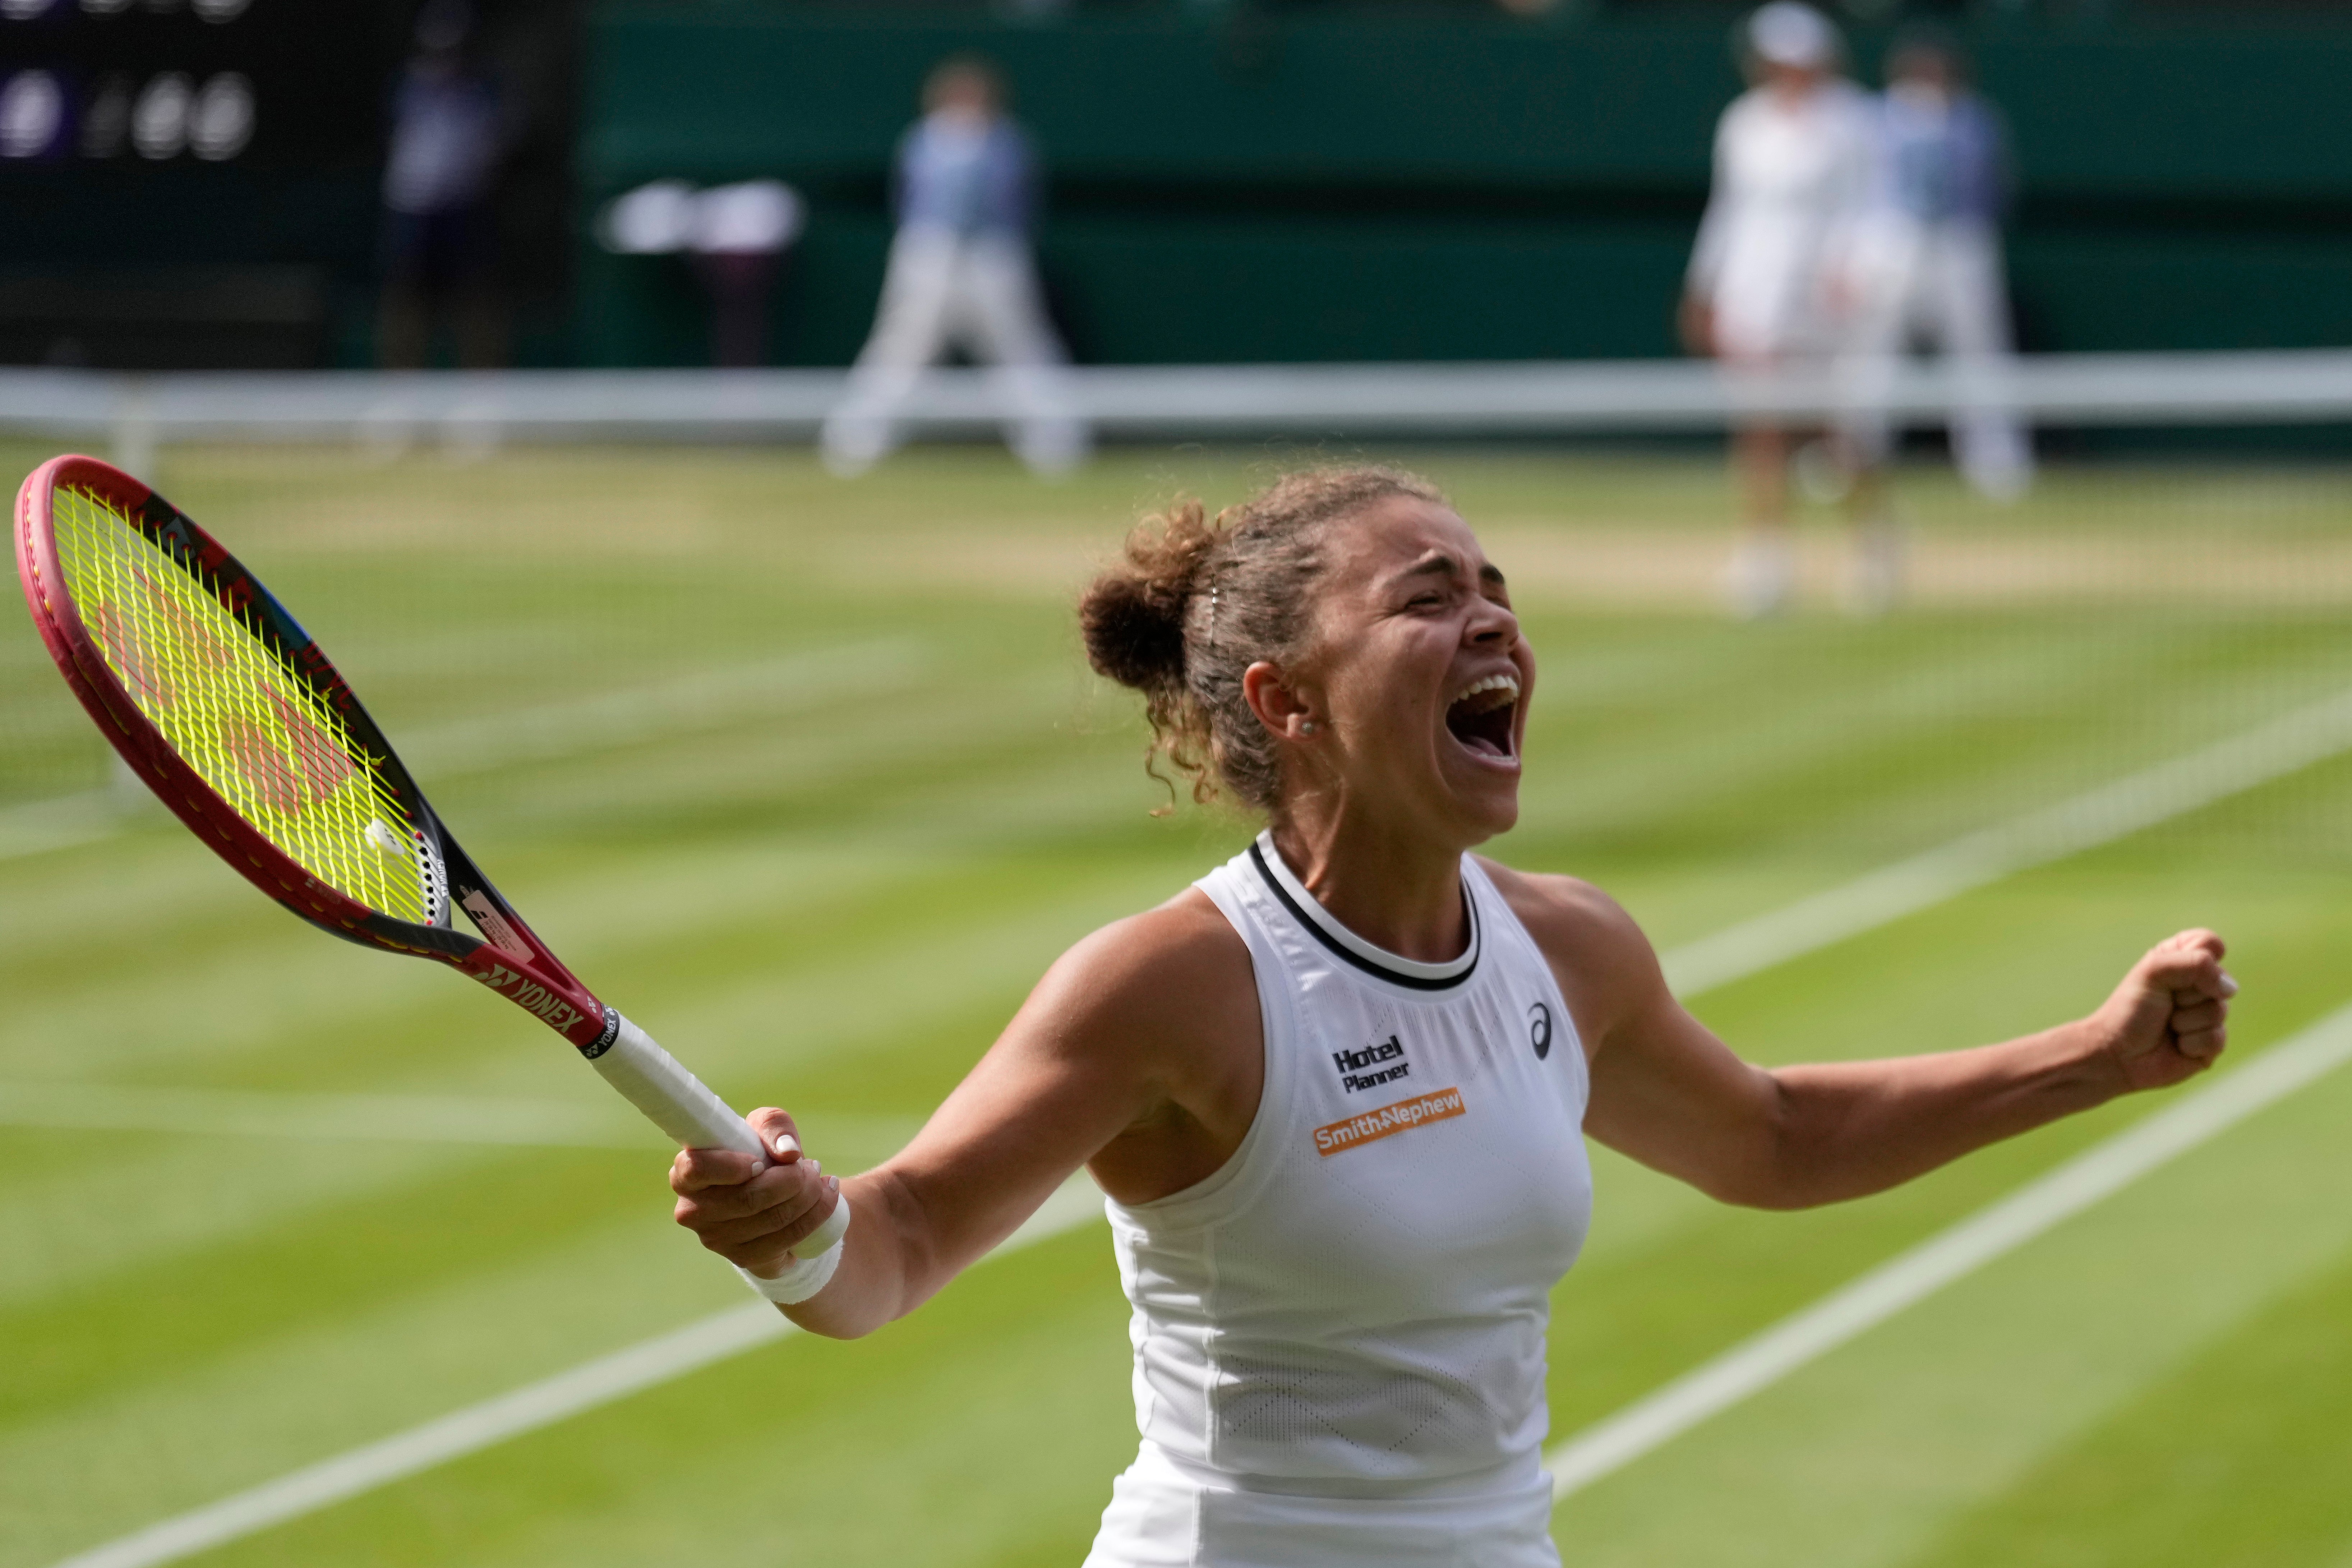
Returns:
point(1791, 179)
point(1340, 1336)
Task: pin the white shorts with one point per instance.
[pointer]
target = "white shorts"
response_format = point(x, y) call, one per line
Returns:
point(1160, 1517)
point(1767, 297)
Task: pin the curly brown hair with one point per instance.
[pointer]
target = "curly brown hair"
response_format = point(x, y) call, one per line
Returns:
point(1194, 602)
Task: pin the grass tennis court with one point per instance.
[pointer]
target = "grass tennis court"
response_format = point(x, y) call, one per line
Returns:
point(246, 1227)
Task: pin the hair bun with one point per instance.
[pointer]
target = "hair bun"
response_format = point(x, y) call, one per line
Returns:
point(1134, 629)
point(1133, 615)
point(1260, 563)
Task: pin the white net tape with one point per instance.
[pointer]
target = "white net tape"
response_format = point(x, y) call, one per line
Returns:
point(1171, 401)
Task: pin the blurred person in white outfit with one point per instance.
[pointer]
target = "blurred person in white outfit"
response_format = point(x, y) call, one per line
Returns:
point(1928, 265)
point(961, 275)
point(1793, 165)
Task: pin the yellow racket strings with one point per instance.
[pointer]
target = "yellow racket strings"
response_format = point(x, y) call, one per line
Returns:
point(249, 724)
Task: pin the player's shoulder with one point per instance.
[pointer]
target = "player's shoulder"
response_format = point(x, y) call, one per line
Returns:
point(1572, 920)
point(1180, 959)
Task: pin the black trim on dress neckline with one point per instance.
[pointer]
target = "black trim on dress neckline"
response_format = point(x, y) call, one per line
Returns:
point(1369, 966)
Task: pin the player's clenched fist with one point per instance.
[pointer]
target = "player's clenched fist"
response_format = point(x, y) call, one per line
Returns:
point(2170, 1018)
point(753, 1214)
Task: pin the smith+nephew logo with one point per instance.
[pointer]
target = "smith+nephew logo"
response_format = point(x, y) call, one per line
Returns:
point(1371, 1126)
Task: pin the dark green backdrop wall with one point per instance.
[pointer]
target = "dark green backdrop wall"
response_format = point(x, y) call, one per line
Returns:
point(1240, 184)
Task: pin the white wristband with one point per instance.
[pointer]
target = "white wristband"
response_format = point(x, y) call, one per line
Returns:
point(805, 1276)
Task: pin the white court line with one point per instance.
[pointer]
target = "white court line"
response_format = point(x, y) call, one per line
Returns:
point(1611, 1444)
point(691, 702)
point(2271, 751)
point(398, 1118)
point(582, 1388)
point(385, 1118)
point(545, 733)
point(59, 823)
point(1597, 1451)
point(2186, 784)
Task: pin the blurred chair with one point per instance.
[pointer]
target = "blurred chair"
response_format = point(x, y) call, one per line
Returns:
point(738, 238)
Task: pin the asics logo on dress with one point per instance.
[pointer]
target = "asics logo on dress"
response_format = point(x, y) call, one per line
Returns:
point(1352, 1063)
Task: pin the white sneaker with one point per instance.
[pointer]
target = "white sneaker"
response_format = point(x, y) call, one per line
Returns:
point(1997, 460)
point(2002, 482)
point(1881, 552)
point(850, 445)
point(1822, 477)
point(1053, 449)
point(1761, 578)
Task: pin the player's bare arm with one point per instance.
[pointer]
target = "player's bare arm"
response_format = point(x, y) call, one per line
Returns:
point(1667, 1092)
point(1136, 1054)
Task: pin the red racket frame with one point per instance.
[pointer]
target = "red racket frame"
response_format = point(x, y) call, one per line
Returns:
point(518, 966)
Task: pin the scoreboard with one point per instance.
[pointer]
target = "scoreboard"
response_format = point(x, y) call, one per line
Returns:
point(286, 84)
point(198, 184)
point(192, 184)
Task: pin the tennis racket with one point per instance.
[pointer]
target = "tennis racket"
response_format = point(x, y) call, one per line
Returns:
point(236, 720)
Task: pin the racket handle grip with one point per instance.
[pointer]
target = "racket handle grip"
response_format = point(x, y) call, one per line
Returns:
point(677, 1102)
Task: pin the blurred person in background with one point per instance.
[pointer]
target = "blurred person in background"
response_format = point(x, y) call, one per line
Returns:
point(1927, 266)
point(961, 275)
point(440, 241)
point(1793, 163)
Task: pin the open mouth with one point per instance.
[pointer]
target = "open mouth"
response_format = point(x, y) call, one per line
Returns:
point(1480, 715)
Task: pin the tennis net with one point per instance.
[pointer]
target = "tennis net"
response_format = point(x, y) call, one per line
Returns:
point(2175, 569)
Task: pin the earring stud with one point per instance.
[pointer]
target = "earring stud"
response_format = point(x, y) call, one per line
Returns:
point(1308, 728)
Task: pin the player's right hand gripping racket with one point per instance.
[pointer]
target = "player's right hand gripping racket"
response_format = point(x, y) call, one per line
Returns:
point(222, 704)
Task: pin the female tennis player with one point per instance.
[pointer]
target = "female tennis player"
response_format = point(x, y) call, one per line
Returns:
point(1334, 1089)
